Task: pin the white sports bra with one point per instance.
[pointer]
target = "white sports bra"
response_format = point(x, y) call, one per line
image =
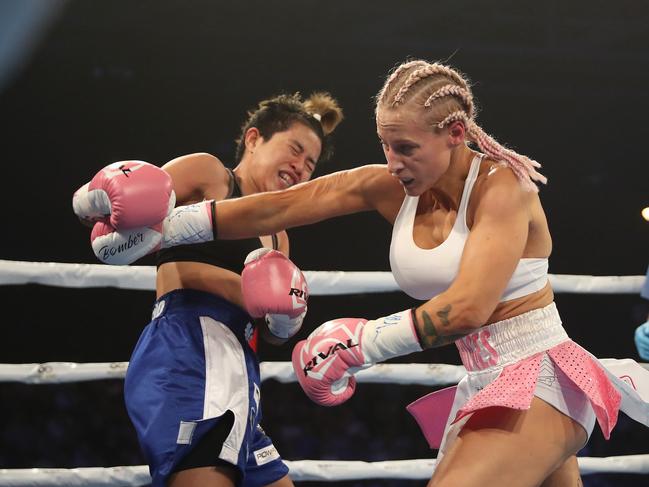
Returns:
point(425, 273)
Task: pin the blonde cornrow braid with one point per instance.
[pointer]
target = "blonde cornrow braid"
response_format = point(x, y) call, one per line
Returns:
point(523, 166)
point(425, 72)
point(453, 90)
point(453, 117)
point(394, 76)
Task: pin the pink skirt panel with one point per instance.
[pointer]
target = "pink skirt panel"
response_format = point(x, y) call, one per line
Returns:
point(591, 378)
point(431, 413)
point(514, 387)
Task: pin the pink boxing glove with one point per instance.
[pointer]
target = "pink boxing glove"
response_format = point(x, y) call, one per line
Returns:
point(126, 194)
point(126, 246)
point(274, 288)
point(325, 362)
point(185, 225)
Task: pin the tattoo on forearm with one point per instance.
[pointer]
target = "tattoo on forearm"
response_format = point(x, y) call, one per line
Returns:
point(429, 335)
point(443, 315)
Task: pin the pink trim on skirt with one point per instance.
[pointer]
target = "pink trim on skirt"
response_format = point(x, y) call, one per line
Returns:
point(514, 387)
point(431, 413)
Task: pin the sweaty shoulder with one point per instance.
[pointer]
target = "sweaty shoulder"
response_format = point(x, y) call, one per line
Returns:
point(380, 188)
point(197, 177)
point(375, 175)
point(498, 189)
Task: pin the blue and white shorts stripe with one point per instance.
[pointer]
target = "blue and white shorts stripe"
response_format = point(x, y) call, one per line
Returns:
point(190, 366)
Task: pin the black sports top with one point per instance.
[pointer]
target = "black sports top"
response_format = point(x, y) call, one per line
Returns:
point(227, 254)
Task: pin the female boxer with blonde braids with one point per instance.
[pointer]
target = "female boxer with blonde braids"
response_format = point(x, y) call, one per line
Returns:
point(192, 386)
point(470, 238)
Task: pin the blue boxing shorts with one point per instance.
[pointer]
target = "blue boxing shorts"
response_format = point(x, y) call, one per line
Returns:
point(191, 371)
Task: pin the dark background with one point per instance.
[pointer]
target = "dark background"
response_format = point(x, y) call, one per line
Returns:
point(90, 83)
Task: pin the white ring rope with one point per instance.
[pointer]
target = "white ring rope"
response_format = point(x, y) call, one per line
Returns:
point(61, 372)
point(421, 374)
point(320, 282)
point(301, 470)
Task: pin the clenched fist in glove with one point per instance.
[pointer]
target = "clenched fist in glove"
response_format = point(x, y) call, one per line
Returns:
point(131, 204)
point(325, 362)
point(126, 194)
point(188, 224)
point(274, 289)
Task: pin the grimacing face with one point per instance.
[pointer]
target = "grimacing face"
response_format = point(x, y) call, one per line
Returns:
point(416, 155)
point(286, 159)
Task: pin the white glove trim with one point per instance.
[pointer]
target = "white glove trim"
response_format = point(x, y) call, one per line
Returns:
point(91, 205)
point(283, 326)
point(188, 224)
point(256, 254)
point(388, 337)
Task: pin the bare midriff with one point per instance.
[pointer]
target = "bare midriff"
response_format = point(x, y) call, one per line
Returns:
point(518, 306)
point(202, 277)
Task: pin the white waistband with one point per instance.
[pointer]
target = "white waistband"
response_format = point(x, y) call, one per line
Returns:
point(511, 340)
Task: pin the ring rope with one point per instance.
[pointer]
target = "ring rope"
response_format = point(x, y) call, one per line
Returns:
point(62, 372)
point(301, 470)
point(321, 283)
point(424, 374)
point(65, 372)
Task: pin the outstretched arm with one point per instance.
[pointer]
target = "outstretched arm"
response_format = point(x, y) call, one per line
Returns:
point(337, 194)
point(341, 193)
point(324, 363)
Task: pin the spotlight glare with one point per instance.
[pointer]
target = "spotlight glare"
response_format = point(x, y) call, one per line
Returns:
point(645, 213)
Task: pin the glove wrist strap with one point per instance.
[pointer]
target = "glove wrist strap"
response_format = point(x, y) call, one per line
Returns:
point(189, 224)
point(388, 337)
